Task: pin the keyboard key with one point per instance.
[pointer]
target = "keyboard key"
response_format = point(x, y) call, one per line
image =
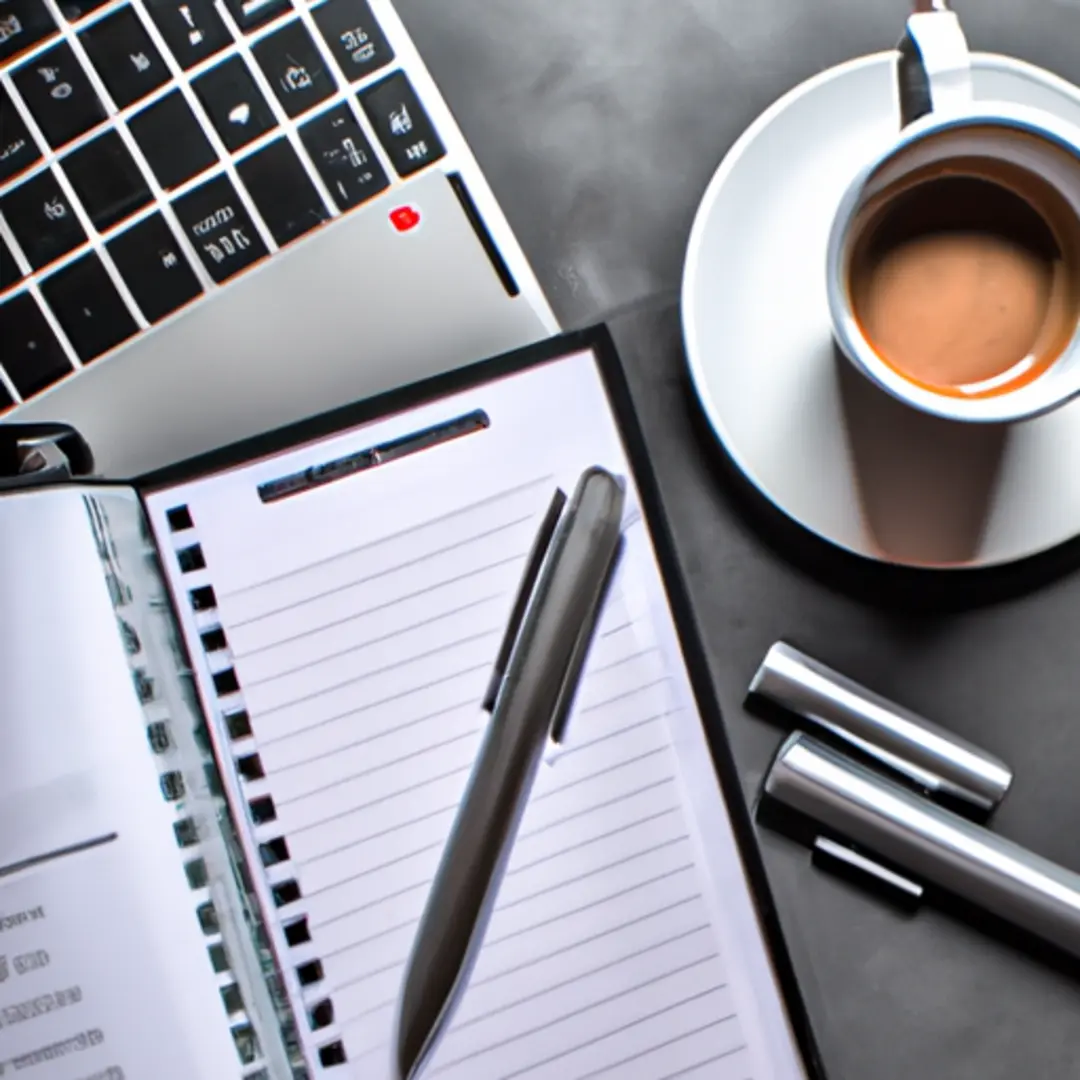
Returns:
point(355, 38)
point(172, 140)
point(40, 216)
point(108, 182)
point(235, 104)
point(23, 23)
point(220, 228)
point(10, 274)
point(31, 356)
point(344, 157)
point(294, 68)
point(125, 57)
point(192, 29)
point(59, 95)
point(73, 10)
point(250, 14)
point(89, 309)
point(155, 268)
point(18, 150)
point(401, 124)
point(282, 191)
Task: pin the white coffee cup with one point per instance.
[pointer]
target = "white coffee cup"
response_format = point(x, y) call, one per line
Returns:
point(941, 121)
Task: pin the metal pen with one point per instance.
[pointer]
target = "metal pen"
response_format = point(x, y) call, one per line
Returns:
point(929, 755)
point(928, 842)
point(543, 655)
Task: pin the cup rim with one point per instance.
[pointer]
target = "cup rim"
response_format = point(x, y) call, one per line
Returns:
point(1003, 408)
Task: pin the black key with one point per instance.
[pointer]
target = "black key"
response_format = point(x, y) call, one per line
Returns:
point(234, 102)
point(72, 10)
point(23, 23)
point(18, 150)
point(6, 400)
point(220, 228)
point(172, 140)
point(192, 29)
point(31, 355)
point(355, 38)
point(155, 268)
point(108, 182)
point(125, 57)
point(10, 273)
point(250, 14)
point(42, 220)
point(59, 94)
point(283, 191)
point(88, 307)
point(343, 156)
point(294, 68)
point(401, 124)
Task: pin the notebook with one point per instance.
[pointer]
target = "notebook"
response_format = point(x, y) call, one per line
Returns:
point(339, 598)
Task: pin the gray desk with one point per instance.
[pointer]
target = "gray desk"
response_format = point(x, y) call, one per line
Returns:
point(599, 123)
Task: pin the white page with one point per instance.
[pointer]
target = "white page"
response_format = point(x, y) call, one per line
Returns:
point(362, 620)
point(103, 967)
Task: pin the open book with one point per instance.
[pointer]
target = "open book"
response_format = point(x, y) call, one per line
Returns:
point(238, 710)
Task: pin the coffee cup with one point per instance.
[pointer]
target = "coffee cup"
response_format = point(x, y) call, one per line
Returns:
point(953, 264)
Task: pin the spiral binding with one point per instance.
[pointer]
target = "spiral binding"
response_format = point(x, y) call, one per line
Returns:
point(161, 737)
point(271, 844)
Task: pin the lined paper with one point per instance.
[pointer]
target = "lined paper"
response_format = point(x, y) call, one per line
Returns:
point(362, 621)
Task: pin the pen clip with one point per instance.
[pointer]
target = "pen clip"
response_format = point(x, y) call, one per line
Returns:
point(866, 872)
point(572, 679)
point(540, 548)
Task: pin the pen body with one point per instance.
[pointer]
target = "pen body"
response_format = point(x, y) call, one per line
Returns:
point(929, 842)
point(542, 674)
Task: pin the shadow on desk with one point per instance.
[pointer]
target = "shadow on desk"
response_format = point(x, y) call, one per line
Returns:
point(895, 587)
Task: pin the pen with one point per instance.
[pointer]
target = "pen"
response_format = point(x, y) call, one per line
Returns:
point(327, 472)
point(532, 689)
point(930, 756)
point(919, 838)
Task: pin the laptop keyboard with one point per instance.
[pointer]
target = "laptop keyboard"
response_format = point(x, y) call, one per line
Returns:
point(152, 150)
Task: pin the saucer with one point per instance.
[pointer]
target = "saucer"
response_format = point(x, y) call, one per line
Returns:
point(816, 438)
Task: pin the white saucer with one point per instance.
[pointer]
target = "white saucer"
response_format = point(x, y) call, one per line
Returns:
point(832, 452)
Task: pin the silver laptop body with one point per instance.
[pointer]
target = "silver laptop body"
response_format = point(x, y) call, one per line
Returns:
point(340, 242)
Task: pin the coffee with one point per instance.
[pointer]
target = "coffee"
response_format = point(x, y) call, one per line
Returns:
point(965, 276)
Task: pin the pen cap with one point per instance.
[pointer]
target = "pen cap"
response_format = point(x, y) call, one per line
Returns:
point(937, 760)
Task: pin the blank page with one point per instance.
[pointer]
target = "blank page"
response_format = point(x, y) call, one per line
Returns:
point(343, 654)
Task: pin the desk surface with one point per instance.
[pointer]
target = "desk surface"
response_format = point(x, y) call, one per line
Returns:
point(599, 123)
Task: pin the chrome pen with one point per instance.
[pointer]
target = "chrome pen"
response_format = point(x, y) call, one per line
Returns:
point(530, 696)
point(920, 840)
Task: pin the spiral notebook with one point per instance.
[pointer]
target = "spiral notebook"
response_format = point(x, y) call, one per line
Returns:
point(341, 592)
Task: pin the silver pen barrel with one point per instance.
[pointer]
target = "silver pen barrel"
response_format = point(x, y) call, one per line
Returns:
point(930, 755)
point(930, 843)
point(545, 667)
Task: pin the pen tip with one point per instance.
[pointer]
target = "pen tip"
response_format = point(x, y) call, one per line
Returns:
point(402, 1066)
point(412, 1040)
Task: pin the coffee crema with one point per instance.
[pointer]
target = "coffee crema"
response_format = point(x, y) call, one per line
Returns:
point(964, 276)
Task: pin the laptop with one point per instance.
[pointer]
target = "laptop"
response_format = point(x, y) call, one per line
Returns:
point(217, 218)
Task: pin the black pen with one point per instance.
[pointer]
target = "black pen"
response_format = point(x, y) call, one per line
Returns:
point(530, 695)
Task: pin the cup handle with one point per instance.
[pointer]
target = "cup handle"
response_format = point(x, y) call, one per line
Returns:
point(933, 69)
